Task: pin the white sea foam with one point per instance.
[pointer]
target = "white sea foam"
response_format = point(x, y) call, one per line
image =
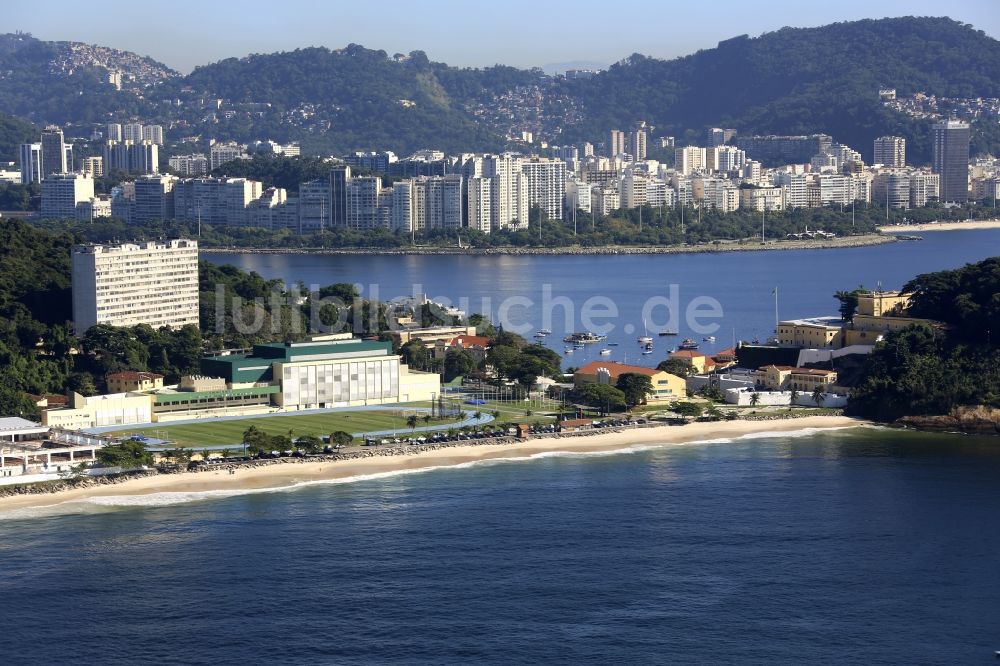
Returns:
point(160, 499)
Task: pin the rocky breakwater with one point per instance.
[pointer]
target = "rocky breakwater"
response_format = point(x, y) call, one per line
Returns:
point(74, 483)
point(979, 420)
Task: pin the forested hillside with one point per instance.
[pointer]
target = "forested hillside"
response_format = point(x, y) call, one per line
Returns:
point(920, 370)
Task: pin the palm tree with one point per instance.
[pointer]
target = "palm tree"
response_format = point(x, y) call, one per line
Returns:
point(478, 415)
point(411, 421)
point(426, 418)
point(792, 398)
point(754, 399)
point(819, 396)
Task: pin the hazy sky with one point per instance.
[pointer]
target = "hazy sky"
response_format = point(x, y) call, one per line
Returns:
point(524, 33)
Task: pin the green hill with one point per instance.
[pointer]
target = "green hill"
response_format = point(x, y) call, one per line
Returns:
point(790, 81)
point(801, 80)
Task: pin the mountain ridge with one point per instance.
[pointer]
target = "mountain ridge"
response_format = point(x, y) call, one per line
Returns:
point(787, 81)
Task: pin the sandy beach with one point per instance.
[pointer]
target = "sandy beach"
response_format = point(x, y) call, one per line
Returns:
point(942, 226)
point(293, 473)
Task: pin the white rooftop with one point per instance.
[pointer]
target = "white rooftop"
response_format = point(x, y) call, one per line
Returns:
point(831, 322)
point(13, 425)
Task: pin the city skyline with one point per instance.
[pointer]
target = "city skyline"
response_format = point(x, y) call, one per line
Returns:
point(553, 36)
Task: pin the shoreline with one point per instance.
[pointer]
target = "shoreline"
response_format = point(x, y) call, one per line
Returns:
point(942, 226)
point(290, 473)
point(862, 240)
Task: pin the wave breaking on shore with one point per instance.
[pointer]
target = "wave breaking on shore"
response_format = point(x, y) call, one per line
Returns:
point(103, 503)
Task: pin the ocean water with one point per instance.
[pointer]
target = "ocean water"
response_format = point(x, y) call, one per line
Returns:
point(857, 546)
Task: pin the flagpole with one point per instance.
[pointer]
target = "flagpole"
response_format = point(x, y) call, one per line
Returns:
point(775, 309)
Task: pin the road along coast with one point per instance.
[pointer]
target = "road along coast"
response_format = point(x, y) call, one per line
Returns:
point(721, 246)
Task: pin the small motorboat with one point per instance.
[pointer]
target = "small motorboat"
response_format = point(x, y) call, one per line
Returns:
point(645, 340)
point(666, 333)
point(709, 338)
point(568, 350)
point(605, 352)
point(612, 344)
point(544, 331)
point(687, 343)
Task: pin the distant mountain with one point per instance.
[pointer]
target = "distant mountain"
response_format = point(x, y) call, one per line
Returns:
point(67, 82)
point(791, 81)
point(800, 80)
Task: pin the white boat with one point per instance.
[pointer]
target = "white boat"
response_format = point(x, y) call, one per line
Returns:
point(645, 338)
point(569, 350)
point(709, 338)
point(544, 331)
point(605, 352)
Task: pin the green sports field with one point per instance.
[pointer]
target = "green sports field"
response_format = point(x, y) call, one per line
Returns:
point(211, 432)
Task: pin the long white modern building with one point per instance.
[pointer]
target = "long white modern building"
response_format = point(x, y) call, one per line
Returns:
point(153, 283)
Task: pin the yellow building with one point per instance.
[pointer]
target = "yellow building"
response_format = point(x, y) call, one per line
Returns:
point(785, 377)
point(130, 380)
point(699, 362)
point(868, 329)
point(101, 410)
point(880, 303)
point(430, 335)
point(812, 333)
point(666, 387)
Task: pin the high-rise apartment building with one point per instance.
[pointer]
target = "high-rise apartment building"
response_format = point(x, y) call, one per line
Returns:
point(31, 163)
point(62, 194)
point(131, 157)
point(153, 133)
point(132, 132)
point(509, 190)
point(690, 159)
point(891, 189)
point(114, 132)
point(637, 141)
point(154, 283)
point(220, 153)
point(340, 176)
point(924, 188)
point(154, 198)
point(546, 179)
point(478, 215)
point(314, 206)
point(437, 202)
point(195, 164)
point(53, 151)
point(616, 143)
point(951, 159)
point(890, 151)
point(362, 202)
point(92, 166)
point(215, 201)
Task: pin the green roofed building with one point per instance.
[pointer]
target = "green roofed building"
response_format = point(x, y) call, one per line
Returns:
point(325, 371)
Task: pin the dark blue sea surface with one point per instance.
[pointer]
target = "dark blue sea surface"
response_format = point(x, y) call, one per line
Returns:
point(858, 546)
point(742, 283)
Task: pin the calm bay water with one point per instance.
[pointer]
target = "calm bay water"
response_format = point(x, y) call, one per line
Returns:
point(741, 282)
point(857, 546)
